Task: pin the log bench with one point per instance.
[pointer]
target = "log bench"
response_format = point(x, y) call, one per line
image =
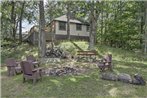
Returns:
point(87, 53)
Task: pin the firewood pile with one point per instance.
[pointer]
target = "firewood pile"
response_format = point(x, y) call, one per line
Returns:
point(56, 52)
point(63, 71)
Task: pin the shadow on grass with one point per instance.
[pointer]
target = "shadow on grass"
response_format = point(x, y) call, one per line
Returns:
point(130, 66)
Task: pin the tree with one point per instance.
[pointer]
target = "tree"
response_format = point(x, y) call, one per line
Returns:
point(145, 28)
point(13, 19)
point(20, 21)
point(142, 21)
point(11, 12)
point(54, 9)
point(42, 40)
point(93, 25)
point(6, 20)
point(68, 19)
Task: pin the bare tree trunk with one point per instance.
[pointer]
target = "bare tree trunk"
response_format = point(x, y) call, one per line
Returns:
point(145, 29)
point(13, 19)
point(68, 19)
point(20, 22)
point(91, 41)
point(42, 40)
point(141, 25)
point(102, 25)
point(92, 26)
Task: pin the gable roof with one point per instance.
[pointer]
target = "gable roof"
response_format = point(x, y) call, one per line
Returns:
point(72, 20)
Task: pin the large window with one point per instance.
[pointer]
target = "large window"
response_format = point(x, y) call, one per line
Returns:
point(78, 27)
point(62, 25)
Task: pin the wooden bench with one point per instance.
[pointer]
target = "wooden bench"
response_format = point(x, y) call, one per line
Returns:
point(87, 54)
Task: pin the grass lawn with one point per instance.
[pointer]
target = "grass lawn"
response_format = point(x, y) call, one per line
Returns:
point(87, 85)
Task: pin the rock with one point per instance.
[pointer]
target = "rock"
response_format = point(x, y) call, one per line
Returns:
point(138, 80)
point(52, 60)
point(125, 78)
point(109, 76)
point(62, 71)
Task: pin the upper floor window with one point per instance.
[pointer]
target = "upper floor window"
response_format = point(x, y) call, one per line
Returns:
point(62, 25)
point(78, 27)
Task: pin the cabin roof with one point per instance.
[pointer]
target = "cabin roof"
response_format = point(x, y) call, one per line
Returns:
point(72, 20)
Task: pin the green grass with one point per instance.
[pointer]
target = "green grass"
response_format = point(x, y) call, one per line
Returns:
point(87, 85)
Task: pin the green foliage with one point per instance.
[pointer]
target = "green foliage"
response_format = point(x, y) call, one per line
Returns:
point(30, 14)
point(121, 26)
point(54, 9)
point(19, 52)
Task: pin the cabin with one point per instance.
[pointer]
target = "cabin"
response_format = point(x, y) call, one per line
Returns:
point(57, 30)
point(78, 29)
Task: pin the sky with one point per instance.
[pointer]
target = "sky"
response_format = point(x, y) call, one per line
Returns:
point(26, 26)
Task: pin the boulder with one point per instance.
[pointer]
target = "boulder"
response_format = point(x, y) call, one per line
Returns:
point(125, 78)
point(109, 76)
point(138, 80)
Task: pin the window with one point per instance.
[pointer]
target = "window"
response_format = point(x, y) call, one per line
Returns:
point(62, 25)
point(79, 27)
point(87, 28)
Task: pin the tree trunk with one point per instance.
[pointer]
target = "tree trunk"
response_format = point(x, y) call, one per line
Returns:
point(102, 25)
point(13, 19)
point(145, 28)
point(20, 21)
point(92, 26)
point(141, 27)
point(42, 40)
point(68, 20)
point(141, 11)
